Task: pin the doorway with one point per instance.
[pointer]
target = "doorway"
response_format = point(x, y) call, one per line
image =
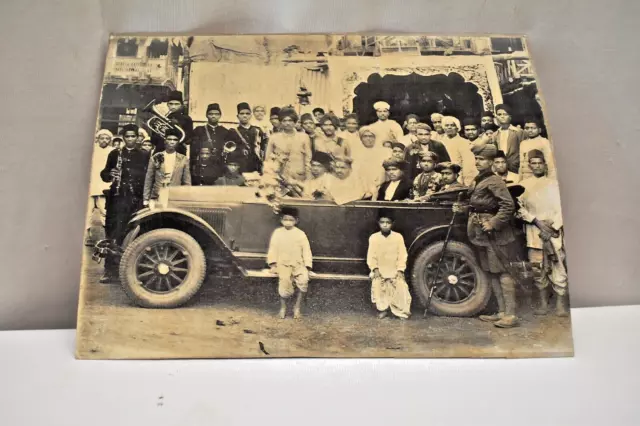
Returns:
point(418, 94)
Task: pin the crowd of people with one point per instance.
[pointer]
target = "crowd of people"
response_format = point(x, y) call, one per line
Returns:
point(321, 156)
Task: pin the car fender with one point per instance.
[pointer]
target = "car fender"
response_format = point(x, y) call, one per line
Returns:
point(145, 216)
point(425, 236)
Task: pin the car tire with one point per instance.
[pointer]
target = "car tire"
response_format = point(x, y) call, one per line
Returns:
point(183, 265)
point(453, 284)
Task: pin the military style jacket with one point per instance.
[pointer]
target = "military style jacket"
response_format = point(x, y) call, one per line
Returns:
point(490, 200)
point(215, 136)
point(256, 140)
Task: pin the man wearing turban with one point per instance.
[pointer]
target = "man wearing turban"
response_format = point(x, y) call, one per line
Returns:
point(458, 149)
point(385, 129)
point(490, 229)
point(288, 152)
point(540, 209)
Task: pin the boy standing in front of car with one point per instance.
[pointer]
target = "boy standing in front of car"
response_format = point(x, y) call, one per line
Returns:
point(387, 260)
point(290, 257)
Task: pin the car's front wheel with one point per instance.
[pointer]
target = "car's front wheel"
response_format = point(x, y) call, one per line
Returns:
point(462, 288)
point(163, 268)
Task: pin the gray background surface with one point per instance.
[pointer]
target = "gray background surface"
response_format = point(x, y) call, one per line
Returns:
point(52, 56)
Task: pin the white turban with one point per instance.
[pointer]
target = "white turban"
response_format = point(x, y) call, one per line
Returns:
point(448, 119)
point(104, 132)
point(144, 133)
point(436, 115)
point(381, 105)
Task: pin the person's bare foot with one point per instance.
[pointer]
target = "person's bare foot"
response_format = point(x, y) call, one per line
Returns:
point(282, 314)
point(297, 314)
point(383, 314)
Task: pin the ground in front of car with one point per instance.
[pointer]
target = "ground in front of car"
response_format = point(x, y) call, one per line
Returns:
point(237, 319)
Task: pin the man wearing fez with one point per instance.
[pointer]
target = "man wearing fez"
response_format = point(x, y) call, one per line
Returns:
point(274, 118)
point(490, 229)
point(540, 209)
point(125, 169)
point(250, 140)
point(385, 129)
point(507, 139)
point(177, 116)
point(212, 135)
point(500, 169)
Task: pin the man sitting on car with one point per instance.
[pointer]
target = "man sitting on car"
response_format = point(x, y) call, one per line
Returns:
point(344, 186)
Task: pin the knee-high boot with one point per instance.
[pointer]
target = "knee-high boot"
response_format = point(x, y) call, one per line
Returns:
point(509, 319)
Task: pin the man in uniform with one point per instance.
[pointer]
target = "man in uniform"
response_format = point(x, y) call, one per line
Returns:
point(250, 140)
point(179, 117)
point(125, 169)
point(490, 229)
point(212, 135)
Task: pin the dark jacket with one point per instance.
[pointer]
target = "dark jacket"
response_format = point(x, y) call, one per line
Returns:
point(513, 147)
point(205, 172)
point(403, 191)
point(229, 180)
point(186, 123)
point(134, 168)
point(252, 140)
point(204, 135)
point(412, 157)
point(490, 200)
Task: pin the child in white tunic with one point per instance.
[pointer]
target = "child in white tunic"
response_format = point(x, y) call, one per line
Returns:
point(290, 257)
point(387, 260)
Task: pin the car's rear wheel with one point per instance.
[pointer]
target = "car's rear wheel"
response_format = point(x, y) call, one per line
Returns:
point(163, 268)
point(462, 288)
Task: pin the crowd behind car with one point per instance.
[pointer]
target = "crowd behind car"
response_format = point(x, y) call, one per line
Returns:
point(322, 156)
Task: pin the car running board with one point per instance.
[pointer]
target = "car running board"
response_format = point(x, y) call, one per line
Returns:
point(266, 273)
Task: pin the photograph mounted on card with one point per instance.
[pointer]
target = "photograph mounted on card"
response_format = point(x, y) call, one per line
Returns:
point(322, 196)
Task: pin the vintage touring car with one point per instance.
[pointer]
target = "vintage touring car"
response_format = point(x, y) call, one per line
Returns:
point(221, 232)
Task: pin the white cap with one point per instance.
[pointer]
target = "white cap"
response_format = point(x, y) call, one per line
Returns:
point(381, 105)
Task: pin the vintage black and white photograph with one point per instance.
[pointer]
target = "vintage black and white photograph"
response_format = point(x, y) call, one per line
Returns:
point(322, 196)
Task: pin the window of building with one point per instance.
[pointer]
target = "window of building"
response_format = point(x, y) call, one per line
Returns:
point(127, 47)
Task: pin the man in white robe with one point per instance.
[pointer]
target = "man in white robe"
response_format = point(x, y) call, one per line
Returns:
point(385, 129)
point(459, 150)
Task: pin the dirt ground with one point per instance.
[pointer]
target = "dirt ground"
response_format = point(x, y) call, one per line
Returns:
point(237, 319)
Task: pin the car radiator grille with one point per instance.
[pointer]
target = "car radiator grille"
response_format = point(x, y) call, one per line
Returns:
point(215, 217)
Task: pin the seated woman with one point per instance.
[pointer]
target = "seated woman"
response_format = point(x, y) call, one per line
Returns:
point(396, 188)
point(343, 186)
